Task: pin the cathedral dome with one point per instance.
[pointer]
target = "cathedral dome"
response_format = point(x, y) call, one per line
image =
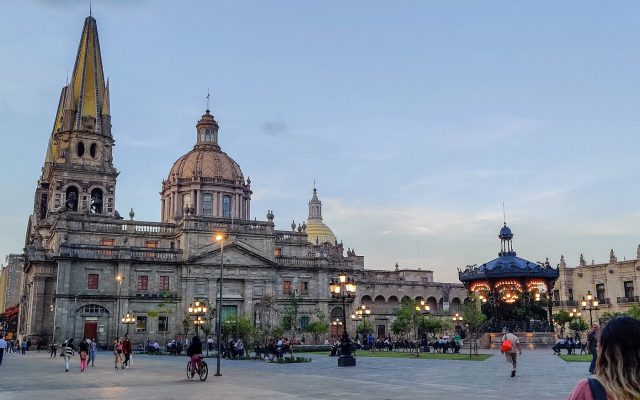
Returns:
point(206, 160)
point(317, 231)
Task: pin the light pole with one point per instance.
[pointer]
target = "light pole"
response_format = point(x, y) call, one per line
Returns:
point(421, 310)
point(197, 312)
point(128, 319)
point(119, 279)
point(355, 317)
point(344, 287)
point(219, 238)
point(589, 303)
point(337, 323)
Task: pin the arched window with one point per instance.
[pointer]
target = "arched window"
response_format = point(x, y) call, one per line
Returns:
point(207, 136)
point(226, 207)
point(92, 150)
point(71, 202)
point(96, 201)
point(80, 149)
point(207, 204)
point(93, 309)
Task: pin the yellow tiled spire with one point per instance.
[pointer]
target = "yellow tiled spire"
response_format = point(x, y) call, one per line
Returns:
point(52, 149)
point(88, 90)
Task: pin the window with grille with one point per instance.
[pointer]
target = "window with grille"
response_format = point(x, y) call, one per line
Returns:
point(287, 286)
point(141, 324)
point(94, 309)
point(107, 242)
point(143, 282)
point(304, 288)
point(628, 289)
point(226, 206)
point(163, 323)
point(207, 204)
point(600, 292)
point(570, 294)
point(92, 281)
point(151, 244)
point(164, 283)
point(304, 322)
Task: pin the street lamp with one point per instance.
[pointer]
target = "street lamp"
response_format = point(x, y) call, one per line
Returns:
point(219, 238)
point(344, 287)
point(589, 303)
point(128, 319)
point(197, 312)
point(421, 310)
point(119, 279)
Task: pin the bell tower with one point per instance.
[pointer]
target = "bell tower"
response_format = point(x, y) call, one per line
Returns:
point(78, 175)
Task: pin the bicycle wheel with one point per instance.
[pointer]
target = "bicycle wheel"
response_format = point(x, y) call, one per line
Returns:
point(204, 371)
point(189, 376)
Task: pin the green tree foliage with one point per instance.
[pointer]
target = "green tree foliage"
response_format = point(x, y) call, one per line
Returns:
point(610, 315)
point(239, 328)
point(473, 316)
point(400, 327)
point(290, 322)
point(433, 326)
point(578, 325)
point(634, 311)
point(562, 318)
point(364, 328)
point(318, 327)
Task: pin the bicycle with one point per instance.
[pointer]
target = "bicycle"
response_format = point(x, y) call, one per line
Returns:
point(202, 372)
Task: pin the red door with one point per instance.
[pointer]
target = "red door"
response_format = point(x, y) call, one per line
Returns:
point(91, 329)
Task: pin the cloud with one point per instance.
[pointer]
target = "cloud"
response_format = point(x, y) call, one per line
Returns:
point(274, 128)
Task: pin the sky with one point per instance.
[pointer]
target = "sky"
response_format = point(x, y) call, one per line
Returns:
point(418, 120)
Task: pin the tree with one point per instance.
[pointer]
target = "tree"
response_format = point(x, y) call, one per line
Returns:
point(267, 311)
point(290, 321)
point(164, 307)
point(610, 315)
point(365, 328)
point(400, 327)
point(634, 311)
point(318, 327)
point(578, 326)
point(239, 328)
point(562, 318)
point(473, 318)
point(185, 325)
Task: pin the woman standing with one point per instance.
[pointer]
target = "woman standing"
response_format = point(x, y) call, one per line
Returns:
point(117, 352)
point(93, 350)
point(84, 354)
point(68, 353)
point(617, 374)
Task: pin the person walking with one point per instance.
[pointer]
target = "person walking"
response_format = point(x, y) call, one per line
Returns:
point(117, 352)
point(68, 353)
point(83, 349)
point(93, 351)
point(3, 348)
point(592, 344)
point(126, 350)
point(510, 347)
point(617, 372)
point(24, 345)
point(53, 350)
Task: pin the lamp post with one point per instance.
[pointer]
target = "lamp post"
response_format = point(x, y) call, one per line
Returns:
point(421, 310)
point(119, 280)
point(355, 317)
point(337, 323)
point(128, 319)
point(197, 312)
point(219, 238)
point(589, 303)
point(344, 287)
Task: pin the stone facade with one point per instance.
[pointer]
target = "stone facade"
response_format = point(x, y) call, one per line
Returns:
point(85, 265)
point(10, 277)
point(384, 290)
point(616, 284)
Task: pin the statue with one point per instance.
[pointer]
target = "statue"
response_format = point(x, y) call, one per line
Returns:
point(96, 204)
point(72, 201)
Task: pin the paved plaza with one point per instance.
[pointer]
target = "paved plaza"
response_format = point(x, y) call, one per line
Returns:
point(541, 375)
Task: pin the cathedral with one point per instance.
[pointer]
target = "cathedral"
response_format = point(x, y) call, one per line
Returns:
point(85, 265)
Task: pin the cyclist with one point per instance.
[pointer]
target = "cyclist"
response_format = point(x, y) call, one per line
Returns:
point(195, 352)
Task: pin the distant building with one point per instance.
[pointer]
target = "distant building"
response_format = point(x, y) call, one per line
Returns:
point(615, 284)
point(10, 277)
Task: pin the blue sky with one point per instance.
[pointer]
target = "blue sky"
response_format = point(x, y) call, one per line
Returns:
point(417, 119)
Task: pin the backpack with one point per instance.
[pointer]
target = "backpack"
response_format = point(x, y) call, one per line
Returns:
point(597, 390)
point(506, 346)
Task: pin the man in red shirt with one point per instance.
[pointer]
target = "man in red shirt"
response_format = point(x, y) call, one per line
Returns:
point(126, 349)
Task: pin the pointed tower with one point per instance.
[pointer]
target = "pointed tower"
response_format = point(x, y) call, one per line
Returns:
point(78, 173)
point(317, 231)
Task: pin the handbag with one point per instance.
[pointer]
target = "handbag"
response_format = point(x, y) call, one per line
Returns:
point(83, 355)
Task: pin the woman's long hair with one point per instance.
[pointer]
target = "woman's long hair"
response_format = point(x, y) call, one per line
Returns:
point(618, 364)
